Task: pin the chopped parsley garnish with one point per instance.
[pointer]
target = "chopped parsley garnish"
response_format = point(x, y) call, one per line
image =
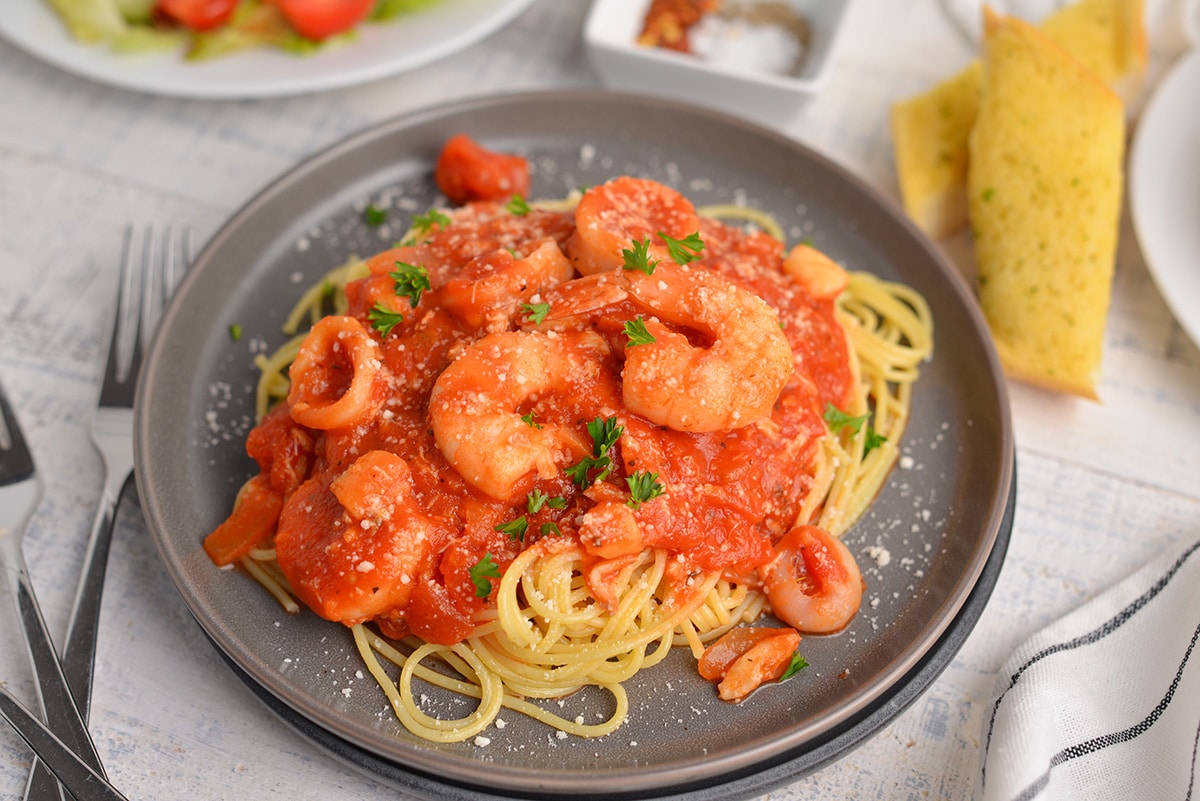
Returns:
point(235, 332)
point(638, 258)
point(578, 473)
point(535, 312)
point(423, 223)
point(643, 486)
point(481, 574)
point(411, 280)
point(683, 250)
point(549, 528)
point(604, 433)
point(374, 216)
point(518, 206)
point(635, 329)
point(528, 419)
point(537, 499)
point(797, 664)
point(874, 440)
point(384, 319)
point(838, 420)
point(515, 529)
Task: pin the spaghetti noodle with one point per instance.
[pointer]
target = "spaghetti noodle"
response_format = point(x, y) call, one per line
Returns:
point(515, 469)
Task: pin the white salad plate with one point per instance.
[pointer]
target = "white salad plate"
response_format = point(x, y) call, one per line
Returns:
point(1164, 190)
point(379, 51)
point(930, 547)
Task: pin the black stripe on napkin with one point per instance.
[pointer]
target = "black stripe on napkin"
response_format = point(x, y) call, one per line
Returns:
point(1192, 779)
point(1116, 738)
point(1097, 634)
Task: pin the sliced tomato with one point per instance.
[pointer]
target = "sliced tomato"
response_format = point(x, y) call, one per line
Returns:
point(255, 515)
point(466, 171)
point(320, 19)
point(199, 15)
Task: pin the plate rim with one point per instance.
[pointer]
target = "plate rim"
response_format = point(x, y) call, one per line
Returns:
point(36, 31)
point(1154, 142)
point(966, 582)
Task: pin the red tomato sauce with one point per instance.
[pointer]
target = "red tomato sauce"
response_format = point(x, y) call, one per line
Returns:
point(729, 494)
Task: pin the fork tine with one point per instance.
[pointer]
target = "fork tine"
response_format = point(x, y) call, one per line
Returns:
point(6, 437)
point(178, 256)
point(189, 247)
point(163, 262)
point(120, 353)
point(15, 458)
point(149, 275)
point(151, 259)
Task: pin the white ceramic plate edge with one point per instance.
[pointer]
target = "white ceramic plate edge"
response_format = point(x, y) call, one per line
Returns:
point(1164, 187)
point(379, 51)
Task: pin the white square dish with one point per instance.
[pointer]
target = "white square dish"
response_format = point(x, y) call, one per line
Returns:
point(611, 34)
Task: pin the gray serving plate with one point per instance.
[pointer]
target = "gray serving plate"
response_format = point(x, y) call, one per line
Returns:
point(929, 546)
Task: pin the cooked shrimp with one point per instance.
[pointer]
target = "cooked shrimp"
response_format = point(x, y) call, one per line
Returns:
point(612, 216)
point(731, 383)
point(578, 300)
point(813, 582)
point(489, 290)
point(484, 406)
point(352, 548)
point(745, 658)
point(820, 275)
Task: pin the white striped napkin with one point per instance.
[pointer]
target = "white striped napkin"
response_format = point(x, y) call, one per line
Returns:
point(1104, 703)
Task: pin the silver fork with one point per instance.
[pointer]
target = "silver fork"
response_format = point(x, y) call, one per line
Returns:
point(146, 282)
point(80, 780)
point(20, 493)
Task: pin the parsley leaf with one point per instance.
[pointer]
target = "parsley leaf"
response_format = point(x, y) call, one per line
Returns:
point(797, 664)
point(515, 529)
point(480, 573)
point(578, 473)
point(423, 223)
point(643, 486)
point(635, 329)
point(550, 528)
point(527, 418)
point(683, 250)
point(518, 206)
point(537, 499)
point(235, 332)
point(837, 419)
point(604, 433)
point(874, 440)
point(384, 319)
point(535, 312)
point(411, 280)
point(639, 257)
point(374, 216)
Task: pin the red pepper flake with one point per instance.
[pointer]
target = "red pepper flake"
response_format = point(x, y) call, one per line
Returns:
point(667, 22)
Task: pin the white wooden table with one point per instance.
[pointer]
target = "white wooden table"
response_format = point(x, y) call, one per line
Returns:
point(1103, 487)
